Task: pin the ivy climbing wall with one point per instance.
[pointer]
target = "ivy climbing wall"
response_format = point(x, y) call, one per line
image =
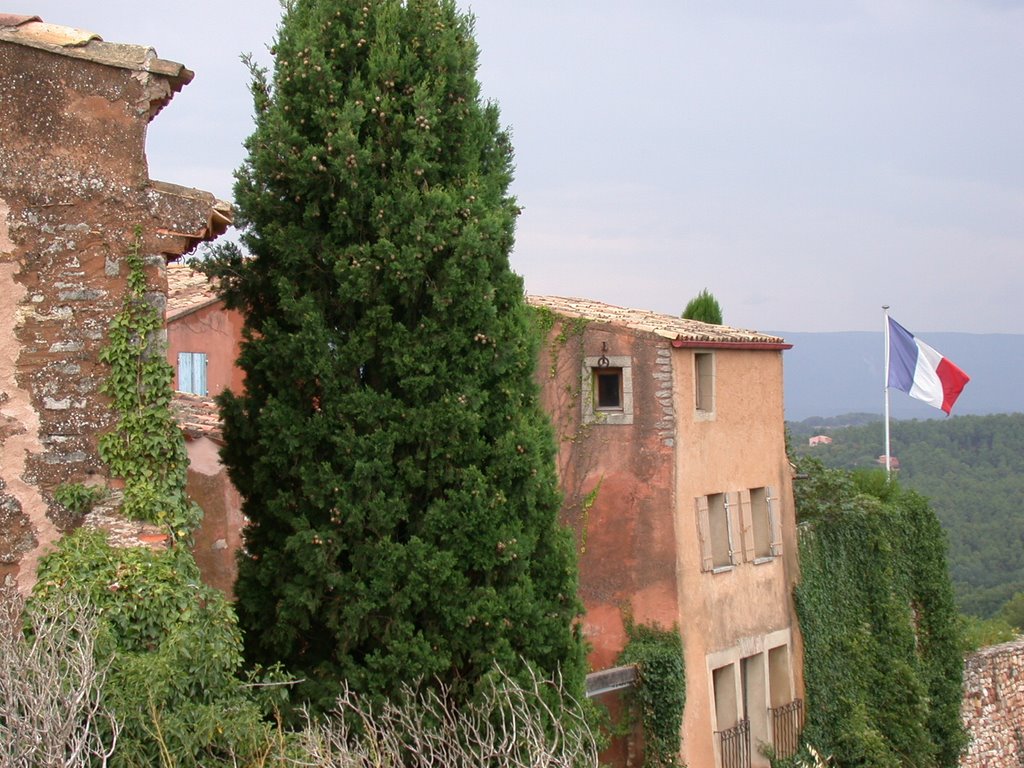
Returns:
point(993, 707)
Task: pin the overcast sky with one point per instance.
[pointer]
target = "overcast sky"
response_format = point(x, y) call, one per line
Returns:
point(805, 160)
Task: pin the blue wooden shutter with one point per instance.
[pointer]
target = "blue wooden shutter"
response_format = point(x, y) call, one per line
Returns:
point(199, 373)
point(184, 371)
point(192, 372)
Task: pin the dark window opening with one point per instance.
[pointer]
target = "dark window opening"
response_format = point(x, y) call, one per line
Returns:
point(609, 389)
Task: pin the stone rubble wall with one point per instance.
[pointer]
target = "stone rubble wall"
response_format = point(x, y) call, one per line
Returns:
point(993, 707)
point(74, 191)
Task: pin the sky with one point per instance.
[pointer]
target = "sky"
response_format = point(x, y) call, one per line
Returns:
point(807, 161)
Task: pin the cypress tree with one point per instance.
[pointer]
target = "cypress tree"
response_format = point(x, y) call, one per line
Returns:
point(704, 307)
point(396, 467)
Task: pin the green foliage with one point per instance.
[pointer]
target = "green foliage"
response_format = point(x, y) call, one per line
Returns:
point(805, 757)
point(1012, 612)
point(170, 645)
point(883, 666)
point(971, 468)
point(543, 321)
point(981, 633)
point(145, 447)
point(174, 650)
point(820, 490)
point(704, 307)
point(660, 694)
point(76, 497)
point(397, 469)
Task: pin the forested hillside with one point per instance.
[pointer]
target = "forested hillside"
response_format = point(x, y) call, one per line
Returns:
point(972, 470)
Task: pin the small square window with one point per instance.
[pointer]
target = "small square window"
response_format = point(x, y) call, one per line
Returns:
point(608, 388)
point(606, 384)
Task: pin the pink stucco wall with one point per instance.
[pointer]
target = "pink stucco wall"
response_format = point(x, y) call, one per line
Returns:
point(637, 536)
point(744, 610)
point(215, 331)
point(626, 533)
point(219, 537)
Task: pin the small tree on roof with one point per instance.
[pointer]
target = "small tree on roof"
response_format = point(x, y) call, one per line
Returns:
point(704, 307)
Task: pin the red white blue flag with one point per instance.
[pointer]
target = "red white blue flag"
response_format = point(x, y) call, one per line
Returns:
point(921, 372)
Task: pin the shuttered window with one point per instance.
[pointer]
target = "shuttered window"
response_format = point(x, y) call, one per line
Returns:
point(715, 531)
point(761, 524)
point(192, 372)
point(748, 525)
point(774, 520)
point(745, 526)
point(704, 382)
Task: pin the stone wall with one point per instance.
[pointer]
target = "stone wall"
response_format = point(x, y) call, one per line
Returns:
point(73, 193)
point(993, 708)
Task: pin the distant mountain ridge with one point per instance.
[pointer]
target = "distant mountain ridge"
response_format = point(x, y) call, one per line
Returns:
point(829, 374)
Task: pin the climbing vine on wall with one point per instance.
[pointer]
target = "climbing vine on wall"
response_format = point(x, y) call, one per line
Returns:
point(569, 428)
point(146, 447)
point(882, 663)
point(660, 693)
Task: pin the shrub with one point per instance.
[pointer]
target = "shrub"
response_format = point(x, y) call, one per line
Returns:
point(52, 671)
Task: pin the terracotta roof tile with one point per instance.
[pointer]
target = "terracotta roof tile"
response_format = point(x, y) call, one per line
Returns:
point(646, 321)
point(197, 416)
point(187, 290)
point(38, 31)
point(16, 19)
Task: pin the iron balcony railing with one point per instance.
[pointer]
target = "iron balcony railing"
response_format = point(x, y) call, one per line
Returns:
point(787, 723)
point(734, 745)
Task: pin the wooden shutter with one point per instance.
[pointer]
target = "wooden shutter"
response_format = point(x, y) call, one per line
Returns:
point(707, 561)
point(730, 501)
point(774, 520)
point(199, 373)
point(192, 372)
point(747, 525)
point(184, 372)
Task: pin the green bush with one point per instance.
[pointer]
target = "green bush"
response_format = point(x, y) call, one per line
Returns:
point(76, 497)
point(660, 693)
point(882, 661)
point(175, 651)
point(980, 633)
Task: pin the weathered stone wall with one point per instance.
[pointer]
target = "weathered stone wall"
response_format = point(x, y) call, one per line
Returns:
point(74, 189)
point(993, 708)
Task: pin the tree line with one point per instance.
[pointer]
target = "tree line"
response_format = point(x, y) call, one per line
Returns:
point(971, 468)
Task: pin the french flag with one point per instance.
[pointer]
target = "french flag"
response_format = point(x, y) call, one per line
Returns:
point(921, 372)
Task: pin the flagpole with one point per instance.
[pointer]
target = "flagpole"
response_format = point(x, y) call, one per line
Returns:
point(888, 455)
